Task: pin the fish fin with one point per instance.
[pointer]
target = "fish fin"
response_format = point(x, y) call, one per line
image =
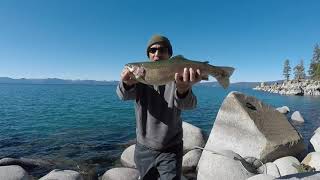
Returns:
point(223, 78)
point(181, 57)
point(177, 57)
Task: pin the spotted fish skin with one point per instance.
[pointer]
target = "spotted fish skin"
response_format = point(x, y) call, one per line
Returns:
point(163, 72)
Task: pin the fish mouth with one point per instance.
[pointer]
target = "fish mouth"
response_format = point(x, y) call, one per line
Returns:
point(138, 72)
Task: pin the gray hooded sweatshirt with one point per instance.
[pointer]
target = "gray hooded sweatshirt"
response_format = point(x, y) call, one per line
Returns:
point(157, 109)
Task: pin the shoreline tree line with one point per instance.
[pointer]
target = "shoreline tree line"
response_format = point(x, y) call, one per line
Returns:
point(299, 70)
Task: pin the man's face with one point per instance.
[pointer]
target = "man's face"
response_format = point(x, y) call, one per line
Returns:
point(158, 52)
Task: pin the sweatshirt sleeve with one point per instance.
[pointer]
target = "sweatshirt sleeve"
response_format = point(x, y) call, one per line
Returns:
point(126, 93)
point(187, 102)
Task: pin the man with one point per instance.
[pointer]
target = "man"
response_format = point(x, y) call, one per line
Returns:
point(159, 147)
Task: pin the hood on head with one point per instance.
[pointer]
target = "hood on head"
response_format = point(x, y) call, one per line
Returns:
point(161, 40)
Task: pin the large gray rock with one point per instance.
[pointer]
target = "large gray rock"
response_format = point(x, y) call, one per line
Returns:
point(192, 136)
point(303, 176)
point(313, 160)
point(127, 157)
point(222, 164)
point(62, 175)
point(270, 169)
point(262, 177)
point(315, 140)
point(190, 160)
point(283, 109)
point(296, 116)
point(287, 165)
point(13, 172)
point(249, 127)
point(121, 174)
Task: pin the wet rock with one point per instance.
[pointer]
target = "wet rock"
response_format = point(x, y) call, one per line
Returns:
point(25, 162)
point(62, 175)
point(283, 109)
point(296, 116)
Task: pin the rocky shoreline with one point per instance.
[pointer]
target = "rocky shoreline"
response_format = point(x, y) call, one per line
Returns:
point(293, 87)
point(249, 140)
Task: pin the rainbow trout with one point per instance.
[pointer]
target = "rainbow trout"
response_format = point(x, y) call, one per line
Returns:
point(162, 72)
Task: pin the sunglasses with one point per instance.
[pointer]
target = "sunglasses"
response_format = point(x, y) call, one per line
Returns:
point(160, 50)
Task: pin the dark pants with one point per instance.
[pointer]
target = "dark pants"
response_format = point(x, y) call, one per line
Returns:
point(152, 164)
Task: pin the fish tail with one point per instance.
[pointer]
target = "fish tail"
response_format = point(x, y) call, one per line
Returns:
point(222, 74)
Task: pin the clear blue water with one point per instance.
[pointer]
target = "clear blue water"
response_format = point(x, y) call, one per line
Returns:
point(88, 126)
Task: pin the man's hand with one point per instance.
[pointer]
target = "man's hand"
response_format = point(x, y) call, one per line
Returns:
point(127, 77)
point(185, 80)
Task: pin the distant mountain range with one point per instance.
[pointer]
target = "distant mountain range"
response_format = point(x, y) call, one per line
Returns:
point(7, 80)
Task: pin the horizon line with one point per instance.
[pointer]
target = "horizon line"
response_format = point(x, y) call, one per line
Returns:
point(203, 81)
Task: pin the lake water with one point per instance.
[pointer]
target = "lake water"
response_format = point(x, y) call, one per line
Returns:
point(86, 127)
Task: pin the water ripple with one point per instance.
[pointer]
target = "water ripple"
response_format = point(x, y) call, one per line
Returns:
point(88, 126)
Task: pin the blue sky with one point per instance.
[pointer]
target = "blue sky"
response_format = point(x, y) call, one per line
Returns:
point(77, 39)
